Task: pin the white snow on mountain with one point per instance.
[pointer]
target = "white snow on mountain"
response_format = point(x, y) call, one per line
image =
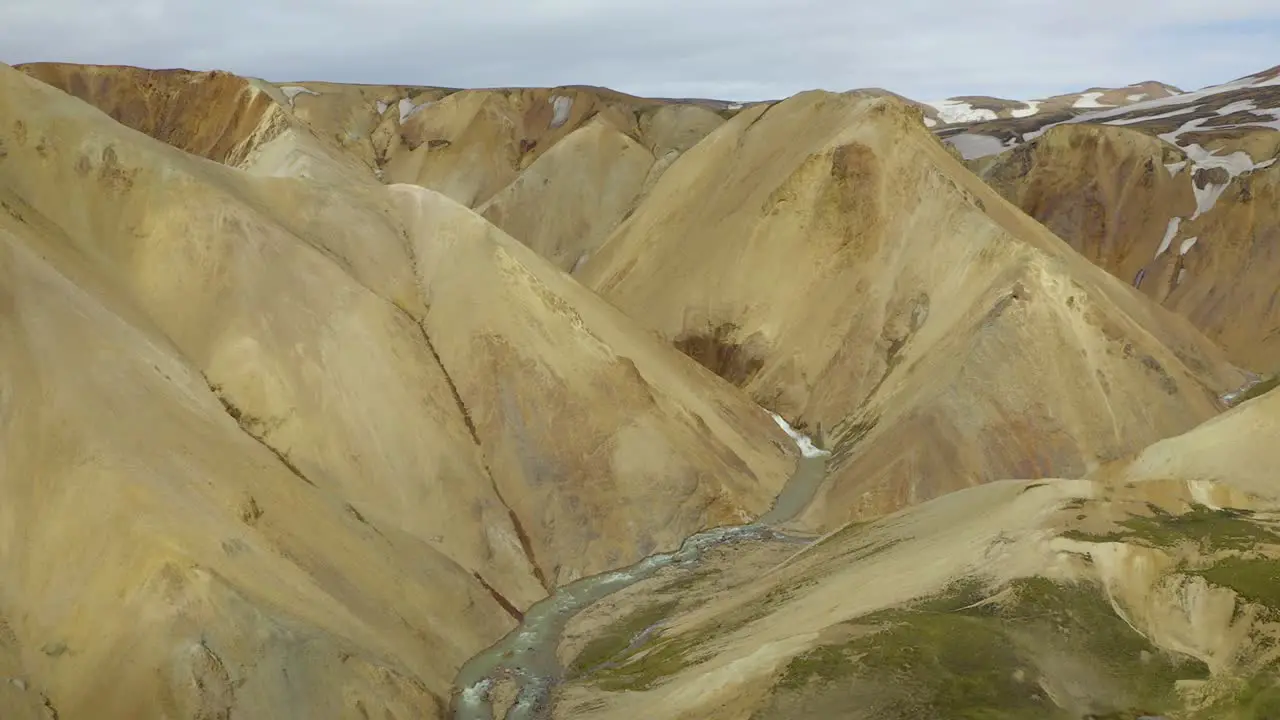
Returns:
point(958, 111)
point(1089, 100)
point(1032, 107)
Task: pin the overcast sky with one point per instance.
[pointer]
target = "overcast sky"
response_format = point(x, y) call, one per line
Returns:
point(729, 49)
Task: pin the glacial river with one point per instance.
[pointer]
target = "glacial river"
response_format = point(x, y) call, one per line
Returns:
point(527, 654)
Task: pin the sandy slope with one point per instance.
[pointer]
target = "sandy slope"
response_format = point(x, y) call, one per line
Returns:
point(615, 443)
point(246, 419)
point(1094, 181)
point(1147, 611)
point(858, 279)
point(161, 560)
point(568, 201)
point(280, 441)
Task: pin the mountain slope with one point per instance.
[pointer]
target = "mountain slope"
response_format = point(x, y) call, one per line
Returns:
point(1194, 236)
point(1107, 192)
point(642, 439)
point(566, 202)
point(954, 113)
point(1146, 590)
point(162, 559)
point(245, 123)
point(859, 279)
point(286, 457)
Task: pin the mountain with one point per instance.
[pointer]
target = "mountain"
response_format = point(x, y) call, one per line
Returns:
point(1172, 196)
point(970, 109)
point(941, 339)
point(1147, 589)
point(350, 401)
point(253, 418)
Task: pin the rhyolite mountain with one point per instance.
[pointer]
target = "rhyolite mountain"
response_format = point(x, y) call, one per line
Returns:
point(309, 392)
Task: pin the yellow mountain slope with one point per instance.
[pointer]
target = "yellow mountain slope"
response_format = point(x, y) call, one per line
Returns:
point(854, 276)
point(289, 456)
point(1148, 589)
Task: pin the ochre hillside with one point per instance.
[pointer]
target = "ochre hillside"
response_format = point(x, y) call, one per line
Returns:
point(371, 401)
point(1174, 196)
point(858, 279)
point(281, 426)
point(1148, 589)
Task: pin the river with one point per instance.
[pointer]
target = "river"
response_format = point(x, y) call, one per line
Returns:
point(528, 653)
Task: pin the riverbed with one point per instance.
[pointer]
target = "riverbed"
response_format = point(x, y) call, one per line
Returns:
point(527, 655)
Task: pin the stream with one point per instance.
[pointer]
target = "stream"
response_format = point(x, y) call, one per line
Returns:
point(528, 653)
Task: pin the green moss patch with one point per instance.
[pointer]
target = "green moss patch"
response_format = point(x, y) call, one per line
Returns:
point(642, 670)
point(822, 663)
point(1256, 580)
point(1211, 530)
point(1258, 699)
point(614, 661)
point(617, 638)
point(958, 656)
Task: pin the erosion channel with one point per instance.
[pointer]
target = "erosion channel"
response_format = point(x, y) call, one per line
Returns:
point(528, 653)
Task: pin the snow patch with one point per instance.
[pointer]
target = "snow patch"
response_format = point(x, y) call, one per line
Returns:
point(1182, 273)
point(1135, 98)
point(1032, 107)
point(1237, 106)
point(1145, 118)
point(408, 109)
point(972, 147)
point(733, 106)
point(1175, 167)
point(1028, 137)
point(807, 448)
point(1089, 100)
point(1207, 197)
point(1187, 245)
point(1169, 232)
point(1177, 99)
point(958, 111)
point(1202, 493)
point(1237, 163)
point(381, 107)
point(291, 92)
point(930, 122)
point(1268, 82)
point(579, 262)
point(561, 105)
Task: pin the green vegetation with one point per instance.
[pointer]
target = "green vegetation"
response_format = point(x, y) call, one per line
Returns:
point(1258, 699)
point(1212, 530)
point(617, 638)
point(1255, 580)
point(641, 671)
point(1089, 624)
point(964, 666)
point(956, 656)
point(614, 662)
point(823, 663)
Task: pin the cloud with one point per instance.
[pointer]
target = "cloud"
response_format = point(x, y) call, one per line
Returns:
point(732, 49)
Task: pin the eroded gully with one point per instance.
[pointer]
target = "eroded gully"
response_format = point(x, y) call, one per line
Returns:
point(527, 655)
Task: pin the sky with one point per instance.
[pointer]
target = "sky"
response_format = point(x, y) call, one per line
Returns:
point(725, 49)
